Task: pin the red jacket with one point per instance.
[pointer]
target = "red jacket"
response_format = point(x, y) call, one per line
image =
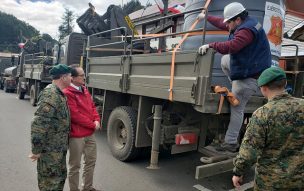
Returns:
point(83, 112)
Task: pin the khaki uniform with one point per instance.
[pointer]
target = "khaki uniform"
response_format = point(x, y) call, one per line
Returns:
point(274, 140)
point(49, 135)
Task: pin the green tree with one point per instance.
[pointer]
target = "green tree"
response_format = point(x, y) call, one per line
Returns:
point(13, 31)
point(67, 25)
point(48, 38)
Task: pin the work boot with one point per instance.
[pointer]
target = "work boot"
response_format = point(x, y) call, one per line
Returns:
point(229, 147)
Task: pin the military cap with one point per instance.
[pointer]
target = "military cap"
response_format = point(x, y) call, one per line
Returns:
point(271, 74)
point(60, 69)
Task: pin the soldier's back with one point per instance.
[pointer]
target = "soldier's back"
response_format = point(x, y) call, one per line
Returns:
point(281, 165)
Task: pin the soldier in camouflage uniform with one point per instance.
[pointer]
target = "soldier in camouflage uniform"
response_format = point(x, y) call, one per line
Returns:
point(274, 139)
point(50, 132)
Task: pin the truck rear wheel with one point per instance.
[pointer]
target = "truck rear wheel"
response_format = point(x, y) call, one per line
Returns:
point(19, 92)
point(33, 93)
point(121, 133)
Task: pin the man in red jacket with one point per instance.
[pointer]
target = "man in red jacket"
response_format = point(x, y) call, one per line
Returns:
point(84, 122)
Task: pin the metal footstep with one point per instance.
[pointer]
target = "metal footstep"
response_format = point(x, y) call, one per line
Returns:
point(214, 162)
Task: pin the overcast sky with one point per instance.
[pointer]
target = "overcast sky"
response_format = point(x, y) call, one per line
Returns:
point(45, 15)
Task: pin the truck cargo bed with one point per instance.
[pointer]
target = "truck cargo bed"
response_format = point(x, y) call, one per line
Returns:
point(149, 75)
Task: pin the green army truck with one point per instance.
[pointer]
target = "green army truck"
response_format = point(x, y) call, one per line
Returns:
point(33, 68)
point(147, 99)
point(7, 71)
point(33, 75)
point(8, 79)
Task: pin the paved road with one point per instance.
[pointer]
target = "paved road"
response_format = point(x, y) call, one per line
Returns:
point(18, 173)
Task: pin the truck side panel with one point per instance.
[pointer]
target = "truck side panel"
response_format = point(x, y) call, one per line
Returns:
point(149, 75)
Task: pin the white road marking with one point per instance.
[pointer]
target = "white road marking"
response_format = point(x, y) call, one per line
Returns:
point(201, 188)
point(242, 188)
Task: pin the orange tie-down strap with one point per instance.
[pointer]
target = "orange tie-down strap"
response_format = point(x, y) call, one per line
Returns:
point(225, 93)
point(195, 33)
point(177, 47)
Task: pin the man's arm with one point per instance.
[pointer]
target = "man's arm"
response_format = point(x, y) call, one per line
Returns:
point(217, 22)
point(253, 142)
point(76, 115)
point(241, 39)
point(40, 125)
point(94, 110)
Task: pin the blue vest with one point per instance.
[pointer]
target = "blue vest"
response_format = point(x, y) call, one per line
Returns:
point(254, 58)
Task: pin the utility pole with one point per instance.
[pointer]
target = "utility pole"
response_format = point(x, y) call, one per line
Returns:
point(162, 41)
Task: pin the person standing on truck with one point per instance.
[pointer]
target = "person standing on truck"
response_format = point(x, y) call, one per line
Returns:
point(84, 122)
point(274, 139)
point(247, 55)
point(50, 131)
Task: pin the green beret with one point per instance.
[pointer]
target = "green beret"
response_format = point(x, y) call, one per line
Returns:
point(60, 69)
point(271, 74)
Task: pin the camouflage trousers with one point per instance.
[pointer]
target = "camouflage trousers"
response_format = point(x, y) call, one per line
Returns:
point(52, 171)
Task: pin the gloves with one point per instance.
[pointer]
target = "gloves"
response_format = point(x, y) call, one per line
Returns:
point(203, 49)
point(202, 15)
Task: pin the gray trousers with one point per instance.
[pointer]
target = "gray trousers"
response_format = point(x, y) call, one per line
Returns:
point(243, 90)
point(85, 146)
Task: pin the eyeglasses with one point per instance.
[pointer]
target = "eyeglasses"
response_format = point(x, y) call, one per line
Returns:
point(81, 75)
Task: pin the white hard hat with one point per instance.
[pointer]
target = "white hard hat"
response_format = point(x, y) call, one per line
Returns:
point(233, 9)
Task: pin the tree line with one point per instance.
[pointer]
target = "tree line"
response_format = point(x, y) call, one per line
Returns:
point(14, 31)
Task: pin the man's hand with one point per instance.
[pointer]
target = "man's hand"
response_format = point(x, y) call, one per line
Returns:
point(34, 157)
point(203, 49)
point(97, 125)
point(202, 15)
point(237, 180)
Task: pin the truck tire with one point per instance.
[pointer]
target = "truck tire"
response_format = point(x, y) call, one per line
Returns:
point(121, 133)
point(19, 92)
point(5, 88)
point(33, 98)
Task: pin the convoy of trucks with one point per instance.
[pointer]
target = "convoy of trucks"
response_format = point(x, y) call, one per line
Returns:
point(150, 99)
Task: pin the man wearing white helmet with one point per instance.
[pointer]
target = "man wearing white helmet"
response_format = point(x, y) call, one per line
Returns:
point(246, 56)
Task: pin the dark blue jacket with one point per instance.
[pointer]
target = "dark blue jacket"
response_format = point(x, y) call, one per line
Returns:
point(254, 58)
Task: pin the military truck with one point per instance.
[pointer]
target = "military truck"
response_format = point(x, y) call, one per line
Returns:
point(167, 99)
point(6, 60)
point(8, 79)
point(8, 72)
point(34, 62)
point(33, 76)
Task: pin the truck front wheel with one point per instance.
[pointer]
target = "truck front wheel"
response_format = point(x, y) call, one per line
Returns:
point(121, 133)
point(5, 88)
point(33, 93)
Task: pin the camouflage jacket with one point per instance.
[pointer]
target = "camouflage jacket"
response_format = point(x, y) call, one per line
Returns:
point(274, 140)
point(51, 123)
